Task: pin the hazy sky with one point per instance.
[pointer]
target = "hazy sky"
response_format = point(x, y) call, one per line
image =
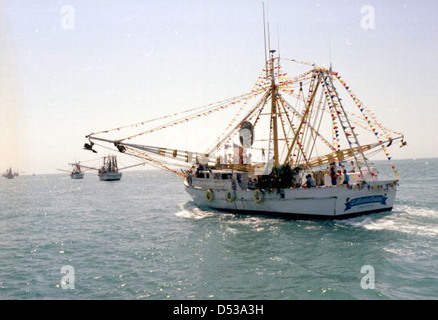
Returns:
point(68, 68)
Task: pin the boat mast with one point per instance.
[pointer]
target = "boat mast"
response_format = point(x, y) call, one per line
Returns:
point(264, 37)
point(270, 72)
point(274, 113)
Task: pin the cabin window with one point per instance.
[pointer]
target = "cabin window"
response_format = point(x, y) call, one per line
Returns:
point(226, 176)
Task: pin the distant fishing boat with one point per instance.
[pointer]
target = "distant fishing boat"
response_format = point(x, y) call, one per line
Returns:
point(76, 172)
point(109, 170)
point(9, 174)
point(291, 148)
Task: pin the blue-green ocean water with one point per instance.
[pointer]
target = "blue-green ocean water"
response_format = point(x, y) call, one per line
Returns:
point(142, 238)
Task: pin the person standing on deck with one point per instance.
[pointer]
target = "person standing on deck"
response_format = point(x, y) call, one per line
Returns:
point(333, 174)
point(346, 178)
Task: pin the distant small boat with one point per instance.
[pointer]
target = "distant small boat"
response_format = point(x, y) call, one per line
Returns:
point(9, 174)
point(77, 172)
point(109, 170)
point(78, 175)
point(110, 176)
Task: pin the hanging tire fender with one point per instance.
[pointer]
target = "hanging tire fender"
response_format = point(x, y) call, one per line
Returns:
point(230, 196)
point(258, 196)
point(209, 195)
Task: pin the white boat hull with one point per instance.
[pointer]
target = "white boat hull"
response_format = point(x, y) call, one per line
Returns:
point(326, 202)
point(77, 176)
point(110, 176)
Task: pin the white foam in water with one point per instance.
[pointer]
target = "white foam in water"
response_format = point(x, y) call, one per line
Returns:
point(404, 219)
point(190, 211)
point(248, 221)
point(421, 212)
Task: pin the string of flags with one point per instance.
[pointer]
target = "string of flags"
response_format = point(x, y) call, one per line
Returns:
point(294, 112)
point(308, 63)
point(333, 114)
point(230, 124)
point(205, 112)
point(304, 121)
point(360, 186)
point(205, 107)
point(369, 117)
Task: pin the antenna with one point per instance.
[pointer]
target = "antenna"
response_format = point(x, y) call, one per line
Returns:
point(269, 32)
point(267, 36)
point(264, 35)
point(278, 40)
point(330, 49)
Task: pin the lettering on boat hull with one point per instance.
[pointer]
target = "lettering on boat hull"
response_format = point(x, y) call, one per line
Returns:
point(349, 204)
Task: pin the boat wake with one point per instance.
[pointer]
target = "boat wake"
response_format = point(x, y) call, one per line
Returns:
point(189, 210)
point(66, 190)
point(404, 219)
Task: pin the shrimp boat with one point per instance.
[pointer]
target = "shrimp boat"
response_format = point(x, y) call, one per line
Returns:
point(9, 174)
point(109, 170)
point(290, 147)
point(76, 172)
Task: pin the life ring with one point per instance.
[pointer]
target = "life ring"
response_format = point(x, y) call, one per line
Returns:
point(258, 196)
point(209, 195)
point(230, 196)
